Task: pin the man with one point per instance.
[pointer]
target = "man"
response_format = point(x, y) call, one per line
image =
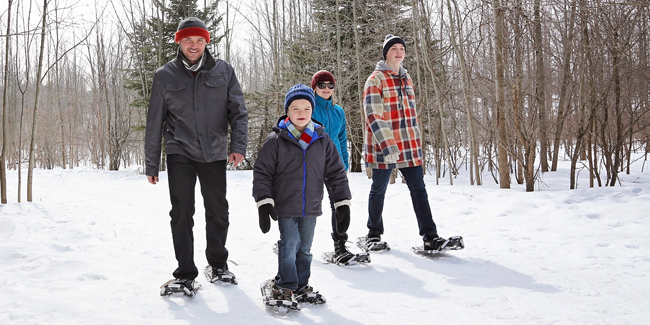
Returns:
point(194, 98)
point(393, 141)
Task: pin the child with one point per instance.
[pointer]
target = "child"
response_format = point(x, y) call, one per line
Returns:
point(296, 159)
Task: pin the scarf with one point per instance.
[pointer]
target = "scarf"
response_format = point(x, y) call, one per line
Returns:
point(195, 67)
point(304, 138)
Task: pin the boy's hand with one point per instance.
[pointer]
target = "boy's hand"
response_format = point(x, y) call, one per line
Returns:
point(342, 219)
point(265, 211)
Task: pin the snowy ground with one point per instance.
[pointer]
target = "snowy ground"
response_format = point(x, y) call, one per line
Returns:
point(94, 247)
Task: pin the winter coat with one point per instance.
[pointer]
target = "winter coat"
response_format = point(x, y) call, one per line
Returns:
point(333, 119)
point(391, 119)
point(194, 112)
point(293, 178)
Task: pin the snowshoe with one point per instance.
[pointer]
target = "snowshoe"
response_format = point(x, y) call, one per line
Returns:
point(374, 244)
point(438, 244)
point(281, 300)
point(308, 295)
point(341, 254)
point(179, 287)
point(220, 275)
point(346, 259)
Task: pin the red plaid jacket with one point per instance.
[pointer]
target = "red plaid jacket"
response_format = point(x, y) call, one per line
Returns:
point(391, 119)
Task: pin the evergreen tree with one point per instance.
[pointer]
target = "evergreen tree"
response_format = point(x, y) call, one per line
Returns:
point(153, 41)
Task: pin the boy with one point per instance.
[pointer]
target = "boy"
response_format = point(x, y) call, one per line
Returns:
point(296, 159)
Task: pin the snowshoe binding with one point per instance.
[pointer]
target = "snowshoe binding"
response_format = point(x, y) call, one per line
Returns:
point(341, 255)
point(308, 295)
point(220, 275)
point(281, 300)
point(372, 244)
point(180, 287)
point(435, 244)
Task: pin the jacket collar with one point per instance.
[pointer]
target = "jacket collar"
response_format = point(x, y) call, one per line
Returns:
point(322, 102)
point(382, 66)
point(207, 62)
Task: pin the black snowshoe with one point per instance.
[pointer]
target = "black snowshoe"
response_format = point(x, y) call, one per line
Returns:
point(282, 300)
point(436, 244)
point(220, 275)
point(342, 256)
point(180, 287)
point(308, 295)
point(372, 244)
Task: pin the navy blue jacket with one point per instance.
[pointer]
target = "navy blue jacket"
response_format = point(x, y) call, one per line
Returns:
point(294, 177)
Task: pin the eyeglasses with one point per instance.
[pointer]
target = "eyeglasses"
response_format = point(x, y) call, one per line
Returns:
point(322, 85)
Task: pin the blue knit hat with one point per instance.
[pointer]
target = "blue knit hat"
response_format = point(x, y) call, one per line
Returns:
point(299, 91)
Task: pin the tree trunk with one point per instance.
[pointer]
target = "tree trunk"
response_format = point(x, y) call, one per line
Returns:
point(32, 143)
point(3, 154)
point(458, 47)
point(540, 89)
point(564, 102)
point(502, 142)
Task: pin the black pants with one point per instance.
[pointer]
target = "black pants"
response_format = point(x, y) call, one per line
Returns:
point(182, 174)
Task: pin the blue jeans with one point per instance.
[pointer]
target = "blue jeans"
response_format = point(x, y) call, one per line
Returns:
point(294, 252)
point(414, 177)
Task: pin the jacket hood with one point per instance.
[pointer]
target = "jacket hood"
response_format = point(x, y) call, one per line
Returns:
point(382, 66)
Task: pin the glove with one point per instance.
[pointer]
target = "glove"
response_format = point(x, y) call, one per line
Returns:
point(342, 219)
point(391, 158)
point(264, 211)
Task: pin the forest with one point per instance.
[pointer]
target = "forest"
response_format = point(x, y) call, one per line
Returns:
point(504, 89)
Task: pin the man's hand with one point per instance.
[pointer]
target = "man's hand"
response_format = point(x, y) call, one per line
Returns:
point(235, 158)
point(152, 179)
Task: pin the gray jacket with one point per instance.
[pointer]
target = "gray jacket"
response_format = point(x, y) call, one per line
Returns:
point(293, 178)
point(194, 112)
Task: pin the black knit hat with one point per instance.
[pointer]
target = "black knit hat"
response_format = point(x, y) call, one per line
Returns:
point(192, 26)
point(389, 41)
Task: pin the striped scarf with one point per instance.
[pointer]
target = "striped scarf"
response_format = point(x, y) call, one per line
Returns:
point(304, 138)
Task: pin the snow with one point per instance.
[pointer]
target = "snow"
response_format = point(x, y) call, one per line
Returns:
point(94, 247)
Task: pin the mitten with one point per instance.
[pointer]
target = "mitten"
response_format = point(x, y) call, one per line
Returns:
point(264, 211)
point(342, 216)
point(391, 158)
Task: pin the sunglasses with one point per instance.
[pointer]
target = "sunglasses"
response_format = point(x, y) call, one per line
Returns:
point(322, 85)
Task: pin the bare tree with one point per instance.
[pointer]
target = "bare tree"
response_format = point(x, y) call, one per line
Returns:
point(32, 144)
point(499, 48)
point(3, 154)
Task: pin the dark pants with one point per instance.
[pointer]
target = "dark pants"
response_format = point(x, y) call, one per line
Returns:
point(414, 177)
point(182, 174)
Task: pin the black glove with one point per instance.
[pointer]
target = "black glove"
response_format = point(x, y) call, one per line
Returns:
point(342, 219)
point(266, 210)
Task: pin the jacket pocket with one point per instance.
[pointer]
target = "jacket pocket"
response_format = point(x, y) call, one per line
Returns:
point(176, 96)
point(216, 87)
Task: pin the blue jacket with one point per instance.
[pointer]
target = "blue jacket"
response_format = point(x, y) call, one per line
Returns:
point(293, 178)
point(333, 119)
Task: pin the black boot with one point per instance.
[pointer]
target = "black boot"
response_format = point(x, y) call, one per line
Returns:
point(433, 242)
point(341, 253)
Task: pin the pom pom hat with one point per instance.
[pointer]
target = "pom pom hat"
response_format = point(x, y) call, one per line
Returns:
point(321, 76)
point(299, 91)
point(192, 27)
point(389, 41)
